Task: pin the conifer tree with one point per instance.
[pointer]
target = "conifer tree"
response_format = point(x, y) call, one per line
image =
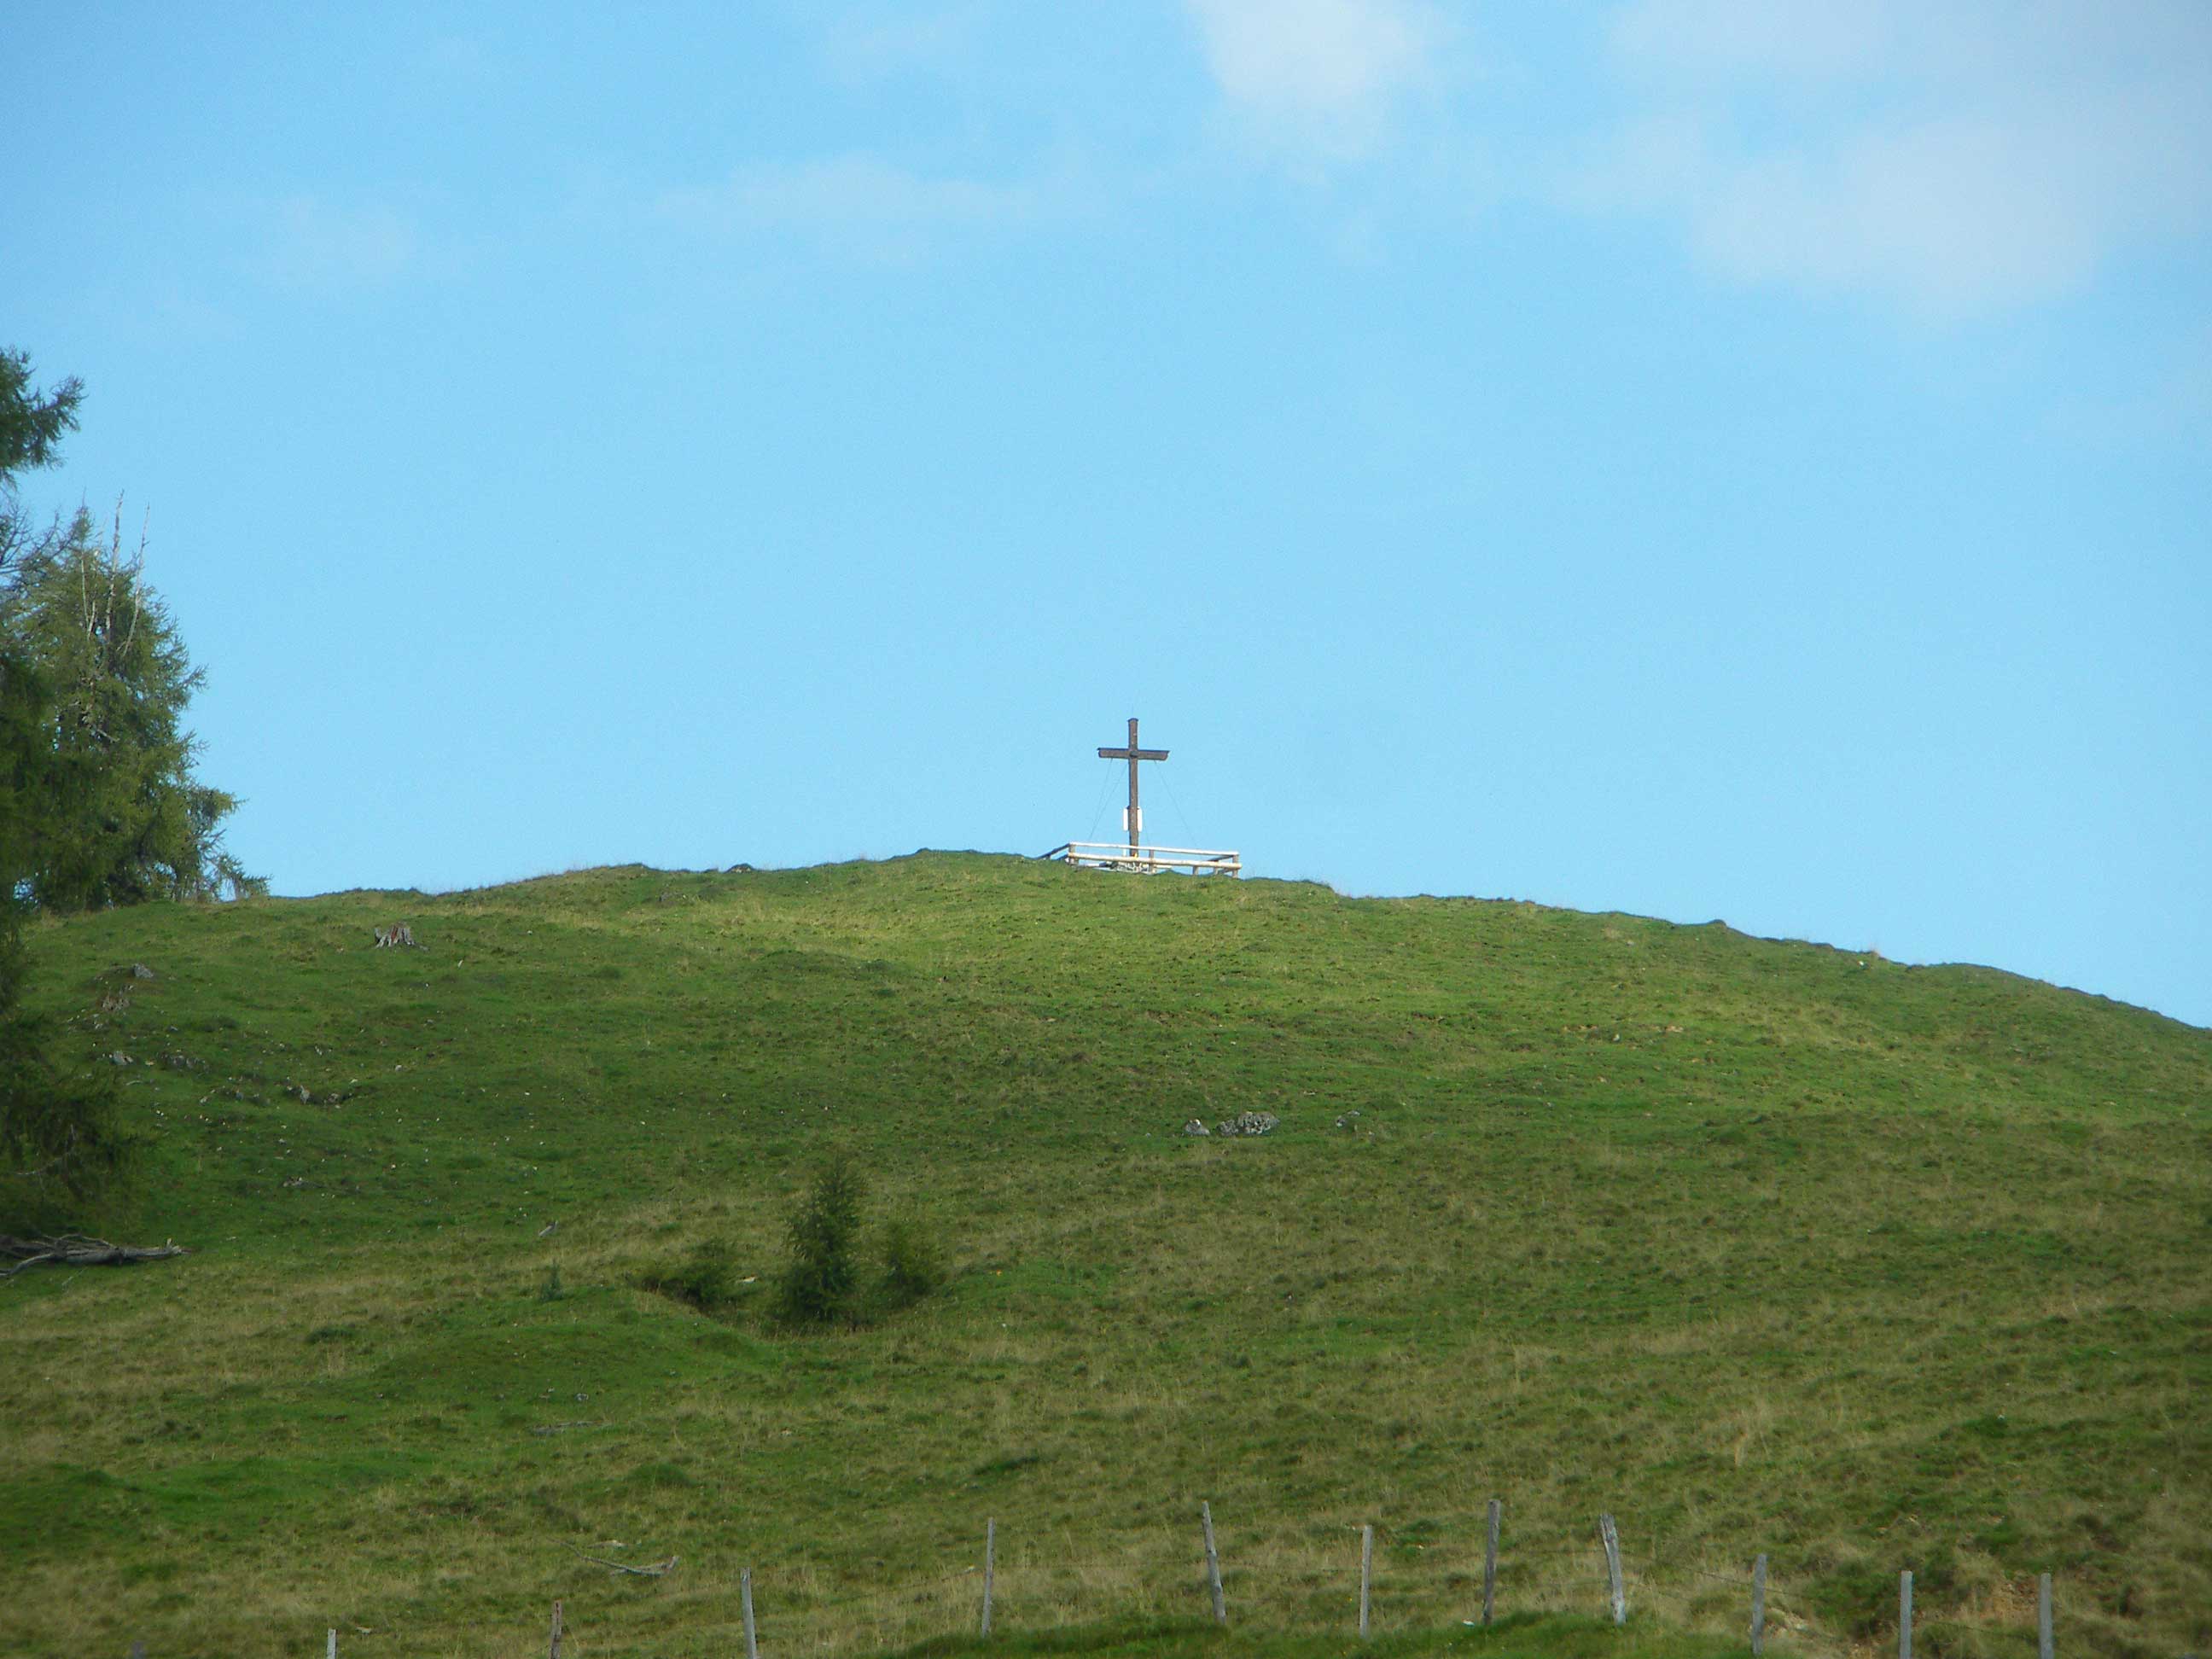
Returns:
point(31, 428)
point(58, 1143)
point(123, 819)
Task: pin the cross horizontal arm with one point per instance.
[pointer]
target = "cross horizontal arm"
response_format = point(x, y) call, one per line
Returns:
point(1133, 754)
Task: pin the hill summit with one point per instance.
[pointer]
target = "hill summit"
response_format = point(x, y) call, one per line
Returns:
point(1759, 1247)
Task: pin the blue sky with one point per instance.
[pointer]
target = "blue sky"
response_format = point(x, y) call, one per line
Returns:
point(1700, 458)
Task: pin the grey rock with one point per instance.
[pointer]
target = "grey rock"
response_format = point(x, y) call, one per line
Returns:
point(1196, 1127)
point(177, 1060)
point(119, 1058)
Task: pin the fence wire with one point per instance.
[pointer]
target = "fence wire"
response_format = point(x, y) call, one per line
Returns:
point(1427, 1585)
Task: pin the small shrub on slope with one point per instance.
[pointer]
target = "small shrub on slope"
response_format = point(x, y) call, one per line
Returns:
point(820, 1285)
point(913, 1265)
point(704, 1278)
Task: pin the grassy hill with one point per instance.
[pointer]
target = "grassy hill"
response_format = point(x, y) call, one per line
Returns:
point(1759, 1246)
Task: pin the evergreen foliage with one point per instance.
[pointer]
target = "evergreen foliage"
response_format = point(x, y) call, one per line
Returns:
point(819, 1286)
point(914, 1263)
point(822, 1283)
point(31, 428)
point(58, 1143)
point(120, 818)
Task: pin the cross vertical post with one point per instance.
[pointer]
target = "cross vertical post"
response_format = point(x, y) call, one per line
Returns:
point(1135, 821)
point(1133, 825)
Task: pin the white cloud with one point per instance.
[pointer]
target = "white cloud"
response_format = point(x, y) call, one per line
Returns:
point(1956, 159)
point(1709, 39)
point(1319, 74)
point(860, 201)
point(313, 243)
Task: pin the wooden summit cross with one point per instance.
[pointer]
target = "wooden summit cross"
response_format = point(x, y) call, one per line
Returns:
point(1130, 853)
point(1133, 826)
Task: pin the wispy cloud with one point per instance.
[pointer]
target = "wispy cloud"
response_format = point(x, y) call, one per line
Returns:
point(1320, 75)
point(310, 242)
point(869, 44)
point(1955, 160)
point(860, 203)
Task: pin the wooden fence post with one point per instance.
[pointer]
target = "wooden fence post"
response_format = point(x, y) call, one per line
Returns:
point(745, 1603)
point(2045, 1646)
point(990, 1568)
point(331, 1650)
point(1759, 1606)
point(553, 1646)
point(1213, 1567)
point(1904, 1615)
point(1490, 1564)
point(1366, 1573)
point(1611, 1538)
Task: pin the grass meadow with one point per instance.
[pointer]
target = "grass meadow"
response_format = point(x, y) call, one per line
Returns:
point(1759, 1246)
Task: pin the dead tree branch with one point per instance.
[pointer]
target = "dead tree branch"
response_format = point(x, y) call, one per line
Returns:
point(76, 1250)
point(653, 1570)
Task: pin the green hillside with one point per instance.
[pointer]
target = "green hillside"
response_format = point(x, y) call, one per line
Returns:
point(1757, 1246)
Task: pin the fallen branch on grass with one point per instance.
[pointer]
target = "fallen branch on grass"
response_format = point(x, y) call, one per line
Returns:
point(76, 1250)
point(652, 1571)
